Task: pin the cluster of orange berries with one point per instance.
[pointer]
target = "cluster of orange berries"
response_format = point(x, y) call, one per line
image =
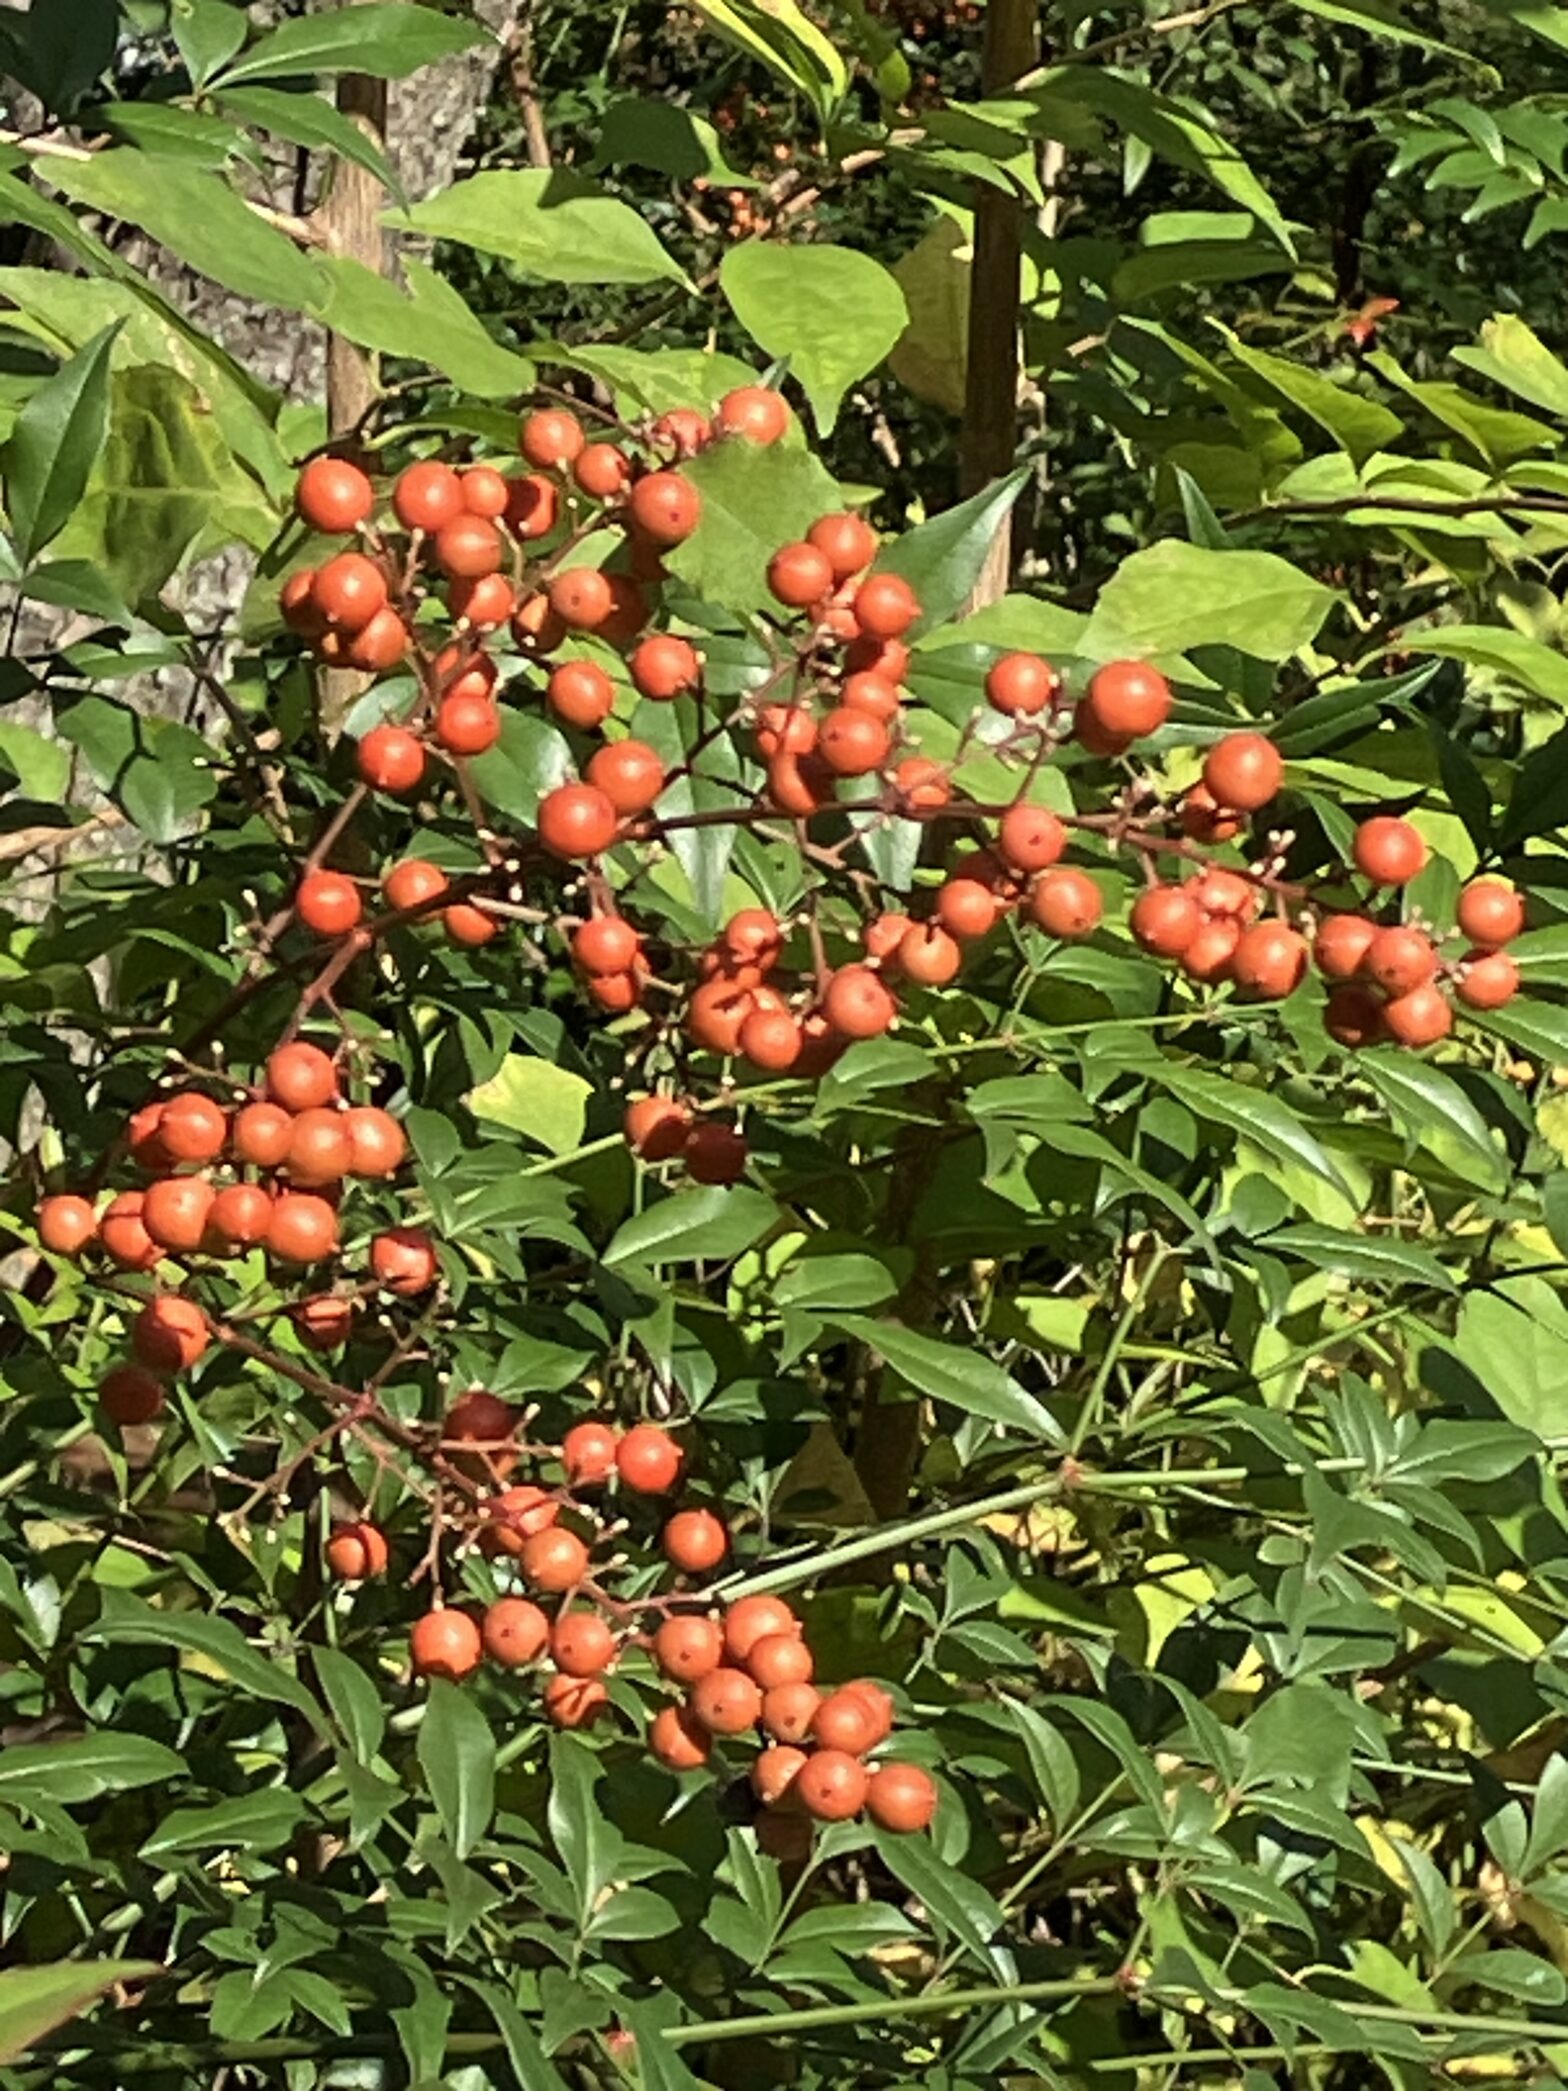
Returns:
point(750, 1671)
point(268, 1174)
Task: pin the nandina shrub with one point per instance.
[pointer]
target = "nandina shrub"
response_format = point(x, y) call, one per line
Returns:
point(765, 1326)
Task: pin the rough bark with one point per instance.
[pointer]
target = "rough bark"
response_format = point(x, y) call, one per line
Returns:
point(989, 436)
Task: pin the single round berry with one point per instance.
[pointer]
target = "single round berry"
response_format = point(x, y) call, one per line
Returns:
point(333, 496)
point(403, 1260)
point(1341, 945)
point(581, 597)
point(588, 1454)
point(788, 1711)
point(302, 1229)
point(1020, 685)
point(928, 956)
point(377, 1143)
point(1420, 1018)
point(726, 1702)
point(580, 693)
point(715, 1154)
point(445, 1643)
point(328, 903)
point(554, 1560)
point(865, 692)
point(656, 1127)
point(1128, 698)
point(175, 1211)
point(1207, 958)
point(771, 1039)
point(845, 1721)
point(533, 506)
point(852, 741)
point(799, 575)
point(1030, 838)
point(1487, 979)
point(831, 1785)
point(778, 1659)
point(857, 1004)
point(607, 944)
point(629, 773)
point(694, 1541)
point(901, 1797)
point(427, 495)
point(1399, 959)
point(602, 471)
point(390, 758)
point(515, 1632)
point(413, 883)
point(193, 1128)
point(1066, 903)
point(1164, 920)
point(349, 590)
point(1244, 771)
point(966, 909)
point(885, 606)
point(848, 542)
point(241, 1214)
point(1388, 851)
point(1490, 913)
point(679, 1740)
point(665, 507)
point(299, 1075)
point(551, 438)
point(582, 1644)
point(648, 1460)
point(128, 1395)
point(682, 430)
point(356, 1551)
point(775, 1772)
point(686, 1649)
point(324, 1321)
point(1270, 960)
point(469, 926)
point(663, 667)
point(66, 1224)
point(756, 412)
point(170, 1334)
point(576, 820)
point(484, 491)
point(467, 547)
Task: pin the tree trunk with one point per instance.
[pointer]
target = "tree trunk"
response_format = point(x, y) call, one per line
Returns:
point(989, 436)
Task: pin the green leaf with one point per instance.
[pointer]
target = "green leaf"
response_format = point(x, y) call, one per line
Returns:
point(1377, 1258)
point(1175, 596)
point(1433, 1112)
point(158, 772)
point(1358, 425)
point(752, 502)
point(1170, 129)
point(530, 2064)
point(547, 223)
point(353, 1701)
point(218, 1650)
point(33, 2001)
point(960, 1907)
point(309, 120)
point(529, 759)
point(207, 33)
point(833, 313)
point(966, 1378)
point(1512, 356)
point(61, 48)
point(535, 1097)
point(941, 560)
point(57, 435)
point(1520, 1359)
point(1054, 1768)
point(86, 1768)
point(581, 1832)
point(659, 379)
point(198, 217)
point(1377, 18)
point(1511, 656)
point(637, 131)
point(457, 1756)
point(259, 1821)
point(41, 766)
point(783, 36)
point(164, 486)
point(1255, 1114)
point(431, 324)
point(716, 1222)
point(389, 40)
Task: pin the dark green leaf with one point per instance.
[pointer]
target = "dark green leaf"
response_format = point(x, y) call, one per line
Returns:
point(57, 435)
point(457, 1756)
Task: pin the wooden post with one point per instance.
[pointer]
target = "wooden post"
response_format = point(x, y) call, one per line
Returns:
point(989, 436)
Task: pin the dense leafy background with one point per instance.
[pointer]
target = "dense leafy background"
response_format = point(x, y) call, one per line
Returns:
point(1225, 1577)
